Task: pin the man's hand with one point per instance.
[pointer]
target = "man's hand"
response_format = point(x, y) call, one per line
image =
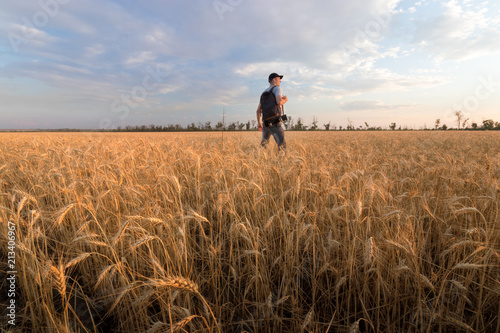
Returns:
point(259, 112)
point(283, 100)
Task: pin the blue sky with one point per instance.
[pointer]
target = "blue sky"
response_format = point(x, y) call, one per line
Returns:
point(102, 64)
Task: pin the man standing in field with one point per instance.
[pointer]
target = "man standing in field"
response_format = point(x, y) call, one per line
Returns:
point(269, 112)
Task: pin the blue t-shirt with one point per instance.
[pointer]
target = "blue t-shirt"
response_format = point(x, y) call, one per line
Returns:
point(276, 91)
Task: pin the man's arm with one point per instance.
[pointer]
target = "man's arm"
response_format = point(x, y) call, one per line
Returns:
point(259, 113)
point(280, 100)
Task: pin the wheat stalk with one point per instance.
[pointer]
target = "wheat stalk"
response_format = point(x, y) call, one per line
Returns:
point(77, 260)
point(61, 214)
point(179, 283)
point(307, 318)
point(371, 251)
point(120, 232)
point(183, 284)
point(59, 279)
point(160, 327)
point(107, 272)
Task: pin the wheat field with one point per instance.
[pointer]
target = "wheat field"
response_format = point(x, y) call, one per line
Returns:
point(206, 232)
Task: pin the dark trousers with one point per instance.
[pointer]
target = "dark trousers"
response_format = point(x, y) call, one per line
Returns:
point(278, 134)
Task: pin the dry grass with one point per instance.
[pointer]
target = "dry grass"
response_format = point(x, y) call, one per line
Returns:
point(358, 231)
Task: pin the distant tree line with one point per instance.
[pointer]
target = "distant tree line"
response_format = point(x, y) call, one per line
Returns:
point(299, 125)
point(464, 123)
point(291, 124)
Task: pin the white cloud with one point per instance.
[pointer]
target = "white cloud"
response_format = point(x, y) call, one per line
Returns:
point(459, 33)
point(69, 22)
point(140, 58)
point(92, 51)
point(21, 36)
point(368, 105)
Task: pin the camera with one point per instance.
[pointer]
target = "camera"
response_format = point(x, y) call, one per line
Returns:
point(284, 117)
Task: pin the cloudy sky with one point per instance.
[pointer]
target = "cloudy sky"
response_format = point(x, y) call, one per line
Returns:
point(103, 64)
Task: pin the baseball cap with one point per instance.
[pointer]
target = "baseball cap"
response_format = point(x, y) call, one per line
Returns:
point(273, 75)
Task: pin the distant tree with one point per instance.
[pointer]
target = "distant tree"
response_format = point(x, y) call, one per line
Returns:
point(314, 125)
point(240, 126)
point(392, 126)
point(367, 126)
point(327, 126)
point(444, 127)
point(460, 116)
point(464, 123)
point(350, 125)
point(247, 126)
point(474, 126)
point(436, 124)
point(208, 126)
point(299, 126)
point(488, 124)
point(219, 126)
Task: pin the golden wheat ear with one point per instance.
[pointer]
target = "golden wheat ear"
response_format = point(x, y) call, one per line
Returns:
point(178, 283)
point(160, 327)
